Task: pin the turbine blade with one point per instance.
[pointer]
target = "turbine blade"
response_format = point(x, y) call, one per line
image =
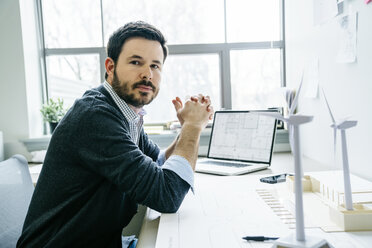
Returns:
point(343, 120)
point(294, 103)
point(288, 98)
point(347, 124)
point(329, 109)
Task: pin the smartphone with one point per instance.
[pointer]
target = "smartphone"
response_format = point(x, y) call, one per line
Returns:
point(274, 179)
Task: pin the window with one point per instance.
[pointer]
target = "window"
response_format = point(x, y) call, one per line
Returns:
point(69, 76)
point(255, 74)
point(185, 75)
point(252, 20)
point(182, 22)
point(231, 50)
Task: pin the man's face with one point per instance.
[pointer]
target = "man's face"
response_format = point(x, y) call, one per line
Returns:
point(137, 73)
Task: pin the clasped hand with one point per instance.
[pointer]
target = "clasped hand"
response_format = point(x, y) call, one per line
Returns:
point(197, 110)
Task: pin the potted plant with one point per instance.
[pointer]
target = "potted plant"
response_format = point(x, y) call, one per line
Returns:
point(53, 112)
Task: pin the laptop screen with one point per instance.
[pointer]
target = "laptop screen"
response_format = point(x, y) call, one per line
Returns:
point(242, 136)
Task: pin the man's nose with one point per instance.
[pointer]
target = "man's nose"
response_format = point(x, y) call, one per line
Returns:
point(146, 74)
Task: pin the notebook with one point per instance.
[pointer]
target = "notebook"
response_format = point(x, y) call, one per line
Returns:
point(240, 142)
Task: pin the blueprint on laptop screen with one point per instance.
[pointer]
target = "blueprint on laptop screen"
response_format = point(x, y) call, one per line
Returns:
point(242, 136)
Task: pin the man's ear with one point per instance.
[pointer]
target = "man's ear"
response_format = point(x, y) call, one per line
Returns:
point(110, 67)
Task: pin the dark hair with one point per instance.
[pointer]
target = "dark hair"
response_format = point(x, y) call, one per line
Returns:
point(133, 29)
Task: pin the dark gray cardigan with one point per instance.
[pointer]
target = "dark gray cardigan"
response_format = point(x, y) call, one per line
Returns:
point(93, 177)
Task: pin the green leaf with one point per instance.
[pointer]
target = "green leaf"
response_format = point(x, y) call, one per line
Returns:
point(53, 111)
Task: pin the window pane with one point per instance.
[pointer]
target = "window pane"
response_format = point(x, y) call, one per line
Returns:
point(71, 23)
point(255, 75)
point(182, 22)
point(185, 75)
point(70, 76)
point(252, 20)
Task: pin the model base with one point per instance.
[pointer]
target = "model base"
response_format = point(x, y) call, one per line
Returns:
point(310, 242)
point(359, 219)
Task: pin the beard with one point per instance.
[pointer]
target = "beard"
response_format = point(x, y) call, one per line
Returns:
point(126, 92)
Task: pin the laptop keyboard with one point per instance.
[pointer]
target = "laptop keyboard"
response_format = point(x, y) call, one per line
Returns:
point(220, 163)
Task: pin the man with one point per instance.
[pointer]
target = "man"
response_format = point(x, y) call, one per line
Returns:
point(100, 164)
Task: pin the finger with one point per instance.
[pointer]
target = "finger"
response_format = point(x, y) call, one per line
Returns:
point(207, 99)
point(179, 100)
point(177, 105)
point(194, 98)
point(204, 99)
point(211, 110)
point(198, 97)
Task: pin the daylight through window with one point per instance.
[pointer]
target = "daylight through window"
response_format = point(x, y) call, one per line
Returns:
point(232, 51)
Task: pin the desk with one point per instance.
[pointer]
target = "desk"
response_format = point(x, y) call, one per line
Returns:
point(213, 217)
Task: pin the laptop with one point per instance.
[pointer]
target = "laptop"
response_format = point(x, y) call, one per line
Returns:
point(240, 142)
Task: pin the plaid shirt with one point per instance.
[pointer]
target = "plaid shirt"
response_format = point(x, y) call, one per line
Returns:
point(135, 120)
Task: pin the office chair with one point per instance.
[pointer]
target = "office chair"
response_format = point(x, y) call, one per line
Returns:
point(16, 189)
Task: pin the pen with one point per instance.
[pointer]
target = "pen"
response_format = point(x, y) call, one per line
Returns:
point(259, 238)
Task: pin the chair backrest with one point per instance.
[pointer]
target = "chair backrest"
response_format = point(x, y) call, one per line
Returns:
point(16, 189)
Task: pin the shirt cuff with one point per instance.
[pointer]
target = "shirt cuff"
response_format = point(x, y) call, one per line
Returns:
point(161, 158)
point(182, 168)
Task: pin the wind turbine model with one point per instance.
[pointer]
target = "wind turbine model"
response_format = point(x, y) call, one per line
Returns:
point(294, 121)
point(343, 125)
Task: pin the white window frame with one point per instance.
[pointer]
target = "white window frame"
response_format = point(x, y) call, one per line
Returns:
point(222, 49)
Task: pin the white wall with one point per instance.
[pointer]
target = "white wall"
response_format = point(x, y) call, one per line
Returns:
point(13, 99)
point(17, 48)
point(348, 86)
point(32, 54)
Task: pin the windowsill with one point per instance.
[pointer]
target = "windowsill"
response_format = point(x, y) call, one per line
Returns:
point(165, 138)
point(36, 144)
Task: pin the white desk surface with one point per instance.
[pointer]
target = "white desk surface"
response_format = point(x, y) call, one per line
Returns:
point(200, 228)
point(155, 223)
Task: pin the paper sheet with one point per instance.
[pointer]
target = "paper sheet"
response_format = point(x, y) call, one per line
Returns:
point(347, 46)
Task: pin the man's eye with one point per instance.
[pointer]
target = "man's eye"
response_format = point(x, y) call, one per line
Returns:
point(155, 66)
point(135, 62)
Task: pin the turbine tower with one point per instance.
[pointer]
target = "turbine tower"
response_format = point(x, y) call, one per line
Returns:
point(342, 126)
point(294, 121)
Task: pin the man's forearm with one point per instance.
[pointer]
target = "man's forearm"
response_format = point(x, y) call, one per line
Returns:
point(188, 143)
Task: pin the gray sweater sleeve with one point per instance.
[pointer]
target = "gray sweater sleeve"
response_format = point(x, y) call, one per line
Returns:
point(148, 146)
point(104, 146)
